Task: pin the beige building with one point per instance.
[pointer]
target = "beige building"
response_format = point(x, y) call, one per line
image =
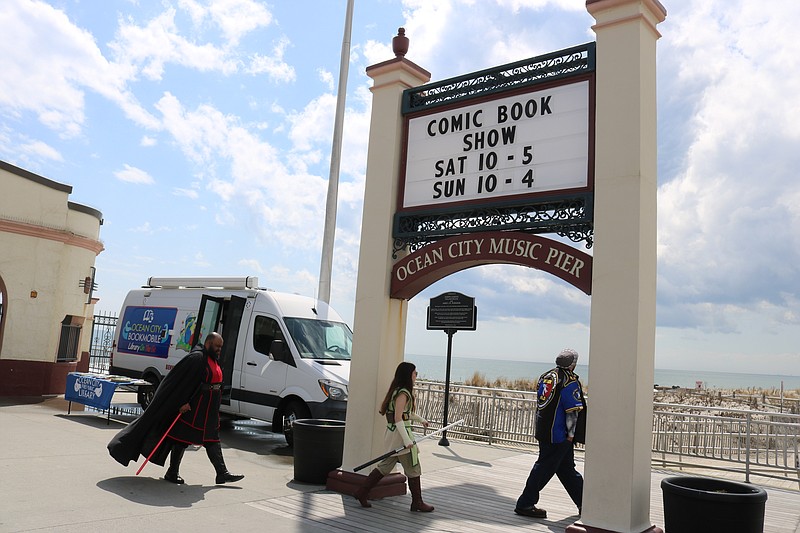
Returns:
point(48, 247)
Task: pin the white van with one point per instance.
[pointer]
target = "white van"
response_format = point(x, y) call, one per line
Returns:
point(284, 356)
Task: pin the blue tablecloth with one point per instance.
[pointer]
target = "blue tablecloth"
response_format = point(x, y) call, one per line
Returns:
point(92, 390)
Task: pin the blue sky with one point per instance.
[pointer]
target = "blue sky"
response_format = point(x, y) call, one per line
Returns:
point(202, 131)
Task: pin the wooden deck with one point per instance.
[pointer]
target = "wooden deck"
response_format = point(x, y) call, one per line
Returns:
point(474, 488)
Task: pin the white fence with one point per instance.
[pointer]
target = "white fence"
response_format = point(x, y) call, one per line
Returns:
point(495, 416)
point(757, 442)
point(737, 440)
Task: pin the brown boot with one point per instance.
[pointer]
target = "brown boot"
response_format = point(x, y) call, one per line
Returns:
point(416, 496)
point(362, 494)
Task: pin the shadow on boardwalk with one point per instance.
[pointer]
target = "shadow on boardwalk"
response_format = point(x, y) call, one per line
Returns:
point(57, 476)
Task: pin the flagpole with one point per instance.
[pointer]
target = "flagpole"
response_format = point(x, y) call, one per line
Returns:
point(326, 262)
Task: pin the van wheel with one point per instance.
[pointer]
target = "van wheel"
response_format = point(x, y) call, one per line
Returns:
point(294, 410)
point(144, 394)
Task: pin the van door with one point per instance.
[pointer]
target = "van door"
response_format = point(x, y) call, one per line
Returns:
point(207, 318)
point(231, 324)
point(263, 378)
point(213, 312)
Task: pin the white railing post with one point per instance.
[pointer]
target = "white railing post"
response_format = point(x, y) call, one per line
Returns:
point(492, 410)
point(747, 446)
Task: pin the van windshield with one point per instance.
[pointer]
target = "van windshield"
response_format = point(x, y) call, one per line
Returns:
point(320, 339)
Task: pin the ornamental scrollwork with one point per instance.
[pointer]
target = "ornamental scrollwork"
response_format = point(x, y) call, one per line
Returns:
point(568, 217)
point(531, 71)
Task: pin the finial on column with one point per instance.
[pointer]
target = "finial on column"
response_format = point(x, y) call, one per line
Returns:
point(400, 43)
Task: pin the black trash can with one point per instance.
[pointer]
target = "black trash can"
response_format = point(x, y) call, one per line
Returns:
point(698, 504)
point(318, 449)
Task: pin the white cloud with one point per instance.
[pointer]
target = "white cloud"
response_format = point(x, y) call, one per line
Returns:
point(148, 141)
point(377, 52)
point(224, 217)
point(188, 193)
point(40, 149)
point(516, 5)
point(292, 280)
point(134, 175)
point(236, 18)
point(60, 67)
point(251, 265)
point(195, 10)
point(507, 30)
point(201, 261)
point(314, 124)
point(722, 215)
point(282, 202)
point(327, 78)
point(150, 47)
point(274, 66)
point(144, 228)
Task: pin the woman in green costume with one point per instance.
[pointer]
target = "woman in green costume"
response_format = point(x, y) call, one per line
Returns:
point(398, 407)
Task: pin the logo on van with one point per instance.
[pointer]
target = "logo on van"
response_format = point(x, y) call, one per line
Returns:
point(147, 330)
point(184, 340)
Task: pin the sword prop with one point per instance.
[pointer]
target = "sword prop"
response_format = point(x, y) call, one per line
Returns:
point(401, 448)
point(164, 436)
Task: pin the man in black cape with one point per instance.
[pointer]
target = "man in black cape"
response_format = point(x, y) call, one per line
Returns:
point(192, 391)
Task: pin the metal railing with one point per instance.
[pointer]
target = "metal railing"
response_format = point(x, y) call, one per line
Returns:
point(494, 416)
point(103, 327)
point(752, 400)
point(767, 444)
point(736, 440)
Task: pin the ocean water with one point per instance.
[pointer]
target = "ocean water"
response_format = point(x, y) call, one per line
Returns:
point(462, 368)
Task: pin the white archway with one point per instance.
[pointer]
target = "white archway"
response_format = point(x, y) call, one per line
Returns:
point(623, 281)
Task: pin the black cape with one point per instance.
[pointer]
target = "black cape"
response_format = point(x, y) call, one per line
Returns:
point(141, 436)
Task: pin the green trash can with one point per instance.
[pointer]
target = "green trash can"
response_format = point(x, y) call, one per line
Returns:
point(698, 504)
point(318, 448)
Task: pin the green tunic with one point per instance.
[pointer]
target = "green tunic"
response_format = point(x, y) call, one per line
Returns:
point(393, 438)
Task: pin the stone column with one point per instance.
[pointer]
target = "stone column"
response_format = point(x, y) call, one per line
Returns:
point(616, 495)
point(379, 324)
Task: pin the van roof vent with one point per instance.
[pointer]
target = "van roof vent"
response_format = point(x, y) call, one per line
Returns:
point(246, 282)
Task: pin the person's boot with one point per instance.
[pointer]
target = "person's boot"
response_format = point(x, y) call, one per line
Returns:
point(362, 494)
point(416, 496)
point(175, 456)
point(214, 452)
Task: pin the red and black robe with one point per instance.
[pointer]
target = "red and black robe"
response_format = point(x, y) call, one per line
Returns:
point(183, 384)
point(201, 423)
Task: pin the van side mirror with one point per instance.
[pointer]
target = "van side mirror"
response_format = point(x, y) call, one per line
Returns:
point(280, 351)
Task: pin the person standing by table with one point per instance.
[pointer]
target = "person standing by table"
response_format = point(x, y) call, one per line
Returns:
point(559, 401)
point(398, 408)
point(192, 391)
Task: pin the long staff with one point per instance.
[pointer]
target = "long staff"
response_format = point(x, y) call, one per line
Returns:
point(401, 448)
point(159, 443)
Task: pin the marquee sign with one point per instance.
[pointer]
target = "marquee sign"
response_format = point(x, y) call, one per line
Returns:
point(510, 148)
point(530, 143)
